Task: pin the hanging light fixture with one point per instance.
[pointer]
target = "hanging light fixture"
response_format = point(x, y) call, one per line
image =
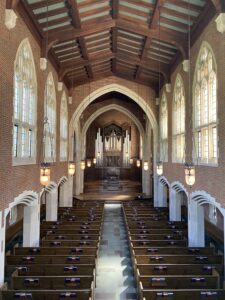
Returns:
point(159, 168)
point(94, 160)
point(88, 163)
point(45, 174)
point(82, 164)
point(189, 168)
point(159, 164)
point(145, 165)
point(138, 163)
point(45, 170)
point(71, 168)
point(131, 161)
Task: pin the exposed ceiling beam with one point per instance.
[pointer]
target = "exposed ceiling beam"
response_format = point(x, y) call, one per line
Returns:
point(115, 9)
point(219, 5)
point(73, 12)
point(71, 33)
point(11, 4)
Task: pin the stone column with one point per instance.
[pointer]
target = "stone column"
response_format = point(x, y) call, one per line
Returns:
point(196, 225)
point(2, 248)
point(31, 225)
point(146, 175)
point(175, 206)
point(52, 205)
point(63, 195)
point(162, 195)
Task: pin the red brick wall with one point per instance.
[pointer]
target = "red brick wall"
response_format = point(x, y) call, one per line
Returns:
point(210, 179)
point(14, 180)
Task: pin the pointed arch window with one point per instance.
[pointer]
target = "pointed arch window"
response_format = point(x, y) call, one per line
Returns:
point(163, 129)
point(63, 128)
point(205, 107)
point(50, 125)
point(178, 121)
point(24, 106)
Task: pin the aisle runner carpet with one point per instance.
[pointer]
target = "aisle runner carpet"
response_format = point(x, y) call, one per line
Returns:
point(115, 280)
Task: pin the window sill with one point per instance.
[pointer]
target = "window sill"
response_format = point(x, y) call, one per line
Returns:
point(23, 161)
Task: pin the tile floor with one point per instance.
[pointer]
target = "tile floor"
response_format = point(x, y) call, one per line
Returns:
point(115, 280)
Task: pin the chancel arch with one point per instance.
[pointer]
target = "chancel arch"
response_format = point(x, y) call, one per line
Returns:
point(96, 114)
point(151, 122)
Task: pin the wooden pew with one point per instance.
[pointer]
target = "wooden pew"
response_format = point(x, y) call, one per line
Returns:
point(179, 282)
point(64, 243)
point(51, 270)
point(187, 294)
point(48, 295)
point(159, 243)
point(46, 259)
point(181, 269)
point(55, 251)
point(156, 236)
point(70, 237)
point(173, 250)
point(51, 282)
point(178, 259)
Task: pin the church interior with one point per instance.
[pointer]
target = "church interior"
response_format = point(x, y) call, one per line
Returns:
point(112, 149)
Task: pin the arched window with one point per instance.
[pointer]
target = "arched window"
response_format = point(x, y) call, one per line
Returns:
point(178, 120)
point(163, 129)
point(50, 122)
point(205, 107)
point(63, 128)
point(25, 103)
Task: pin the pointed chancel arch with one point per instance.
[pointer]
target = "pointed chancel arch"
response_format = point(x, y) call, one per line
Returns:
point(79, 175)
point(151, 119)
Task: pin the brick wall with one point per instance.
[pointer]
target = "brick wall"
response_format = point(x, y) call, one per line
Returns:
point(210, 179)
point(14, 180)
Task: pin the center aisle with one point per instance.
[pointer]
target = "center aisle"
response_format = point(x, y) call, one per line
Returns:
point(115, 280)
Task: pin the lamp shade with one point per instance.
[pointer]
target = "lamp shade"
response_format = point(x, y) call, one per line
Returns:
point(189, 171)
point(145, 165)
point(94, 160)
point(45, 174)
point(131, 161)
point(82, 165)
point(71, 168)
point(159, 168)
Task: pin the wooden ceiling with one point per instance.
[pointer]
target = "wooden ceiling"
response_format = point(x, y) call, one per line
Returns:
point(90, 39)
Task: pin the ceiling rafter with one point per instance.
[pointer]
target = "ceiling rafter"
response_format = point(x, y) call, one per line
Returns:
point(153, 25)
point(219, 5)
point(121, 38)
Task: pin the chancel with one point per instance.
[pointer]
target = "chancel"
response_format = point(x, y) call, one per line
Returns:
point(112, 153)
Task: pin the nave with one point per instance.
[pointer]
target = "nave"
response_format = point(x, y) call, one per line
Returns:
point(114, 251)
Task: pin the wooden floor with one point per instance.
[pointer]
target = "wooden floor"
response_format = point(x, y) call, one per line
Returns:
point(94, 191)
